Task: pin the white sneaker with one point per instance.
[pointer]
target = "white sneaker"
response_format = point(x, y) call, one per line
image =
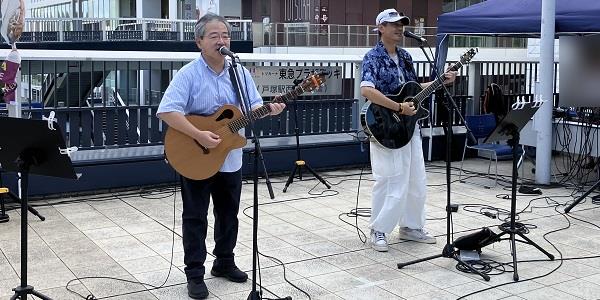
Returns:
point(378, 241)
point(416, 235)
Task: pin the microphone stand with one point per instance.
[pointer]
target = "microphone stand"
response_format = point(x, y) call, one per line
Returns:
point(247, 110)
point(245, 105)
point(449, 250)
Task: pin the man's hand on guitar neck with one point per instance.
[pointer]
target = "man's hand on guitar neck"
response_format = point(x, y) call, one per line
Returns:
point(449, 76)
point(276, 108)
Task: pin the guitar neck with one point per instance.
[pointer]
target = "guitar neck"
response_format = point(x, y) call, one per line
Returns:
point(264, 110)
point(434, 85)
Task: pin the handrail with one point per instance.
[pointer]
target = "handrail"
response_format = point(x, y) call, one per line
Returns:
point(115, 29)
point(270, 34)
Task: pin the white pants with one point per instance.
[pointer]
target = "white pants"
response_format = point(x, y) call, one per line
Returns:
point(399, 192)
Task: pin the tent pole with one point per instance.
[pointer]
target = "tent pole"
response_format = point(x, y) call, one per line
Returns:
point(543, 118)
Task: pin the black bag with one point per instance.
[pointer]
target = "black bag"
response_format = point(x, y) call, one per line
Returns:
point(477, 240)
point(494, 102)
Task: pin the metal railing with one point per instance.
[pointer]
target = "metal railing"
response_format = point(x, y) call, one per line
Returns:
point(333, 35)
point(326, 35)
point(119, 29)
point(272, 34)
point(97, 120)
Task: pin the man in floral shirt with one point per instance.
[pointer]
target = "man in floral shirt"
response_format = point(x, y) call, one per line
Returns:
point(399, 192)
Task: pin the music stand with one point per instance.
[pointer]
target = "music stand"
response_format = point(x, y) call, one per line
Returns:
point(31, 147)
point(509, 129)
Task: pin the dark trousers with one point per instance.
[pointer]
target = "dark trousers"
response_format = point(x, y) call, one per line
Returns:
point(225, 189)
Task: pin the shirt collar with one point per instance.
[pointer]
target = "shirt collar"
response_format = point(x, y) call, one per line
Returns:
point(381, 48)
point(205, 65)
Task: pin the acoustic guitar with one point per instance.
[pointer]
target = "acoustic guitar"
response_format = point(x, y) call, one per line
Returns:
point(392, 129)
point(194, 161)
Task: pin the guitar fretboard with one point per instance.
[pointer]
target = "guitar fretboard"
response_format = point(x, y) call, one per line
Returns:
point(264, 110)
point(434, 85)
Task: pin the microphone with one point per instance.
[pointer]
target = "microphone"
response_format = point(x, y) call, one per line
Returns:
point(414, 36)
point(226, 52)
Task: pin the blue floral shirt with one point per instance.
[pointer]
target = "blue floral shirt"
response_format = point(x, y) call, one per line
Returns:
point(381, 72)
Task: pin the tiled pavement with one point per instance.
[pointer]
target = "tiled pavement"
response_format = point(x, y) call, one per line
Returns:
point(128, 236)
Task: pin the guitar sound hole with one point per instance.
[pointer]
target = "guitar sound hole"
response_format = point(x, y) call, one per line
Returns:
point(227, 114)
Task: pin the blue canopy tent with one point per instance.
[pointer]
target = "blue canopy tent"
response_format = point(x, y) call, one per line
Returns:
point(522, 18)
point(517, 18)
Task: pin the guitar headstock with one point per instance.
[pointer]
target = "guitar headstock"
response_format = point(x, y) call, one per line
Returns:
point(310, 84)
point(467, 56)
point(313, 82)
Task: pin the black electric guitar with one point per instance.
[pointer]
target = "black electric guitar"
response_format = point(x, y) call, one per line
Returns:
point(393, 130)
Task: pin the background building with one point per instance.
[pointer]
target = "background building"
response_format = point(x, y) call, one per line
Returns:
point(164, 9)
point(349, 12)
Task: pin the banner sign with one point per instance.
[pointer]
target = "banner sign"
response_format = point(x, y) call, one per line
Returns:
point(276, 80)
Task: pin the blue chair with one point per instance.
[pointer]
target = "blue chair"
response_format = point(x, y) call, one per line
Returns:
point(482, 126)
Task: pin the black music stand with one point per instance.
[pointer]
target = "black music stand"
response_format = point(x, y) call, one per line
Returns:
point(299, 163)
point(31, 147)
point(509, 130)
point(4, 217)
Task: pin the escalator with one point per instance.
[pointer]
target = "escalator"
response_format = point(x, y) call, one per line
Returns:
point(71, 89)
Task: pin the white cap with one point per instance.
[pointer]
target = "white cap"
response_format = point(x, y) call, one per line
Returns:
point(391, 15)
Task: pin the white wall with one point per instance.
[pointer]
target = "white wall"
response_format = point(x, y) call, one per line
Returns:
point(148, 9)
point(231, 8)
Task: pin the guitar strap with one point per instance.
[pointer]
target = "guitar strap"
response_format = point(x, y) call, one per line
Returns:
point(409, 67)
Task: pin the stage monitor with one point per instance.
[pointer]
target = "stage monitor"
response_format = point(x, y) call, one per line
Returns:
point(579, 76)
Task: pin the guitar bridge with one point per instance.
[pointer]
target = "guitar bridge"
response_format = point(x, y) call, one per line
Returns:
point(204, 149)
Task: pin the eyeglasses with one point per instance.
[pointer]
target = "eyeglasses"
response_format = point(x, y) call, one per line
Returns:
point(216, 36)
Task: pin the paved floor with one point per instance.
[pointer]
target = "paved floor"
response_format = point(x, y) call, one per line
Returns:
point(129, 236)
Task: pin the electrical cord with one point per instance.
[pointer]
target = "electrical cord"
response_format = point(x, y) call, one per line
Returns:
point(545, 236)
point(313, 196)
point(485, 266)
point(280, 263)
point(366, 212)
point(358, 212)
point(153, 287)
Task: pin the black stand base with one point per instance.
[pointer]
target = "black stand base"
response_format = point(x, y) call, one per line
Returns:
point(299, 164)
point(448, 252)
point(21, 292)
point(4, 218)
point(513, 244)
point(255, 295)
point(16, 199)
